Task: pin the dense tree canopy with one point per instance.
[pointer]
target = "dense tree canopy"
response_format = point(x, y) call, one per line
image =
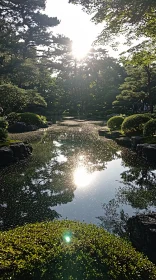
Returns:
point(123, 16)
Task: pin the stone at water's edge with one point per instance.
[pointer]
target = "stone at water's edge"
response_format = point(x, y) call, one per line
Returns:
point(135, 140)
point(148, 151)
point(14, 153)
point(124, 141)
point(142, 230)
point(103, 132)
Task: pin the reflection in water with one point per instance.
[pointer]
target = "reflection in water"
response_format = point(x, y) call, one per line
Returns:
point(30, 191)
point(138, 191)
point(82, 177)
point(82, 174)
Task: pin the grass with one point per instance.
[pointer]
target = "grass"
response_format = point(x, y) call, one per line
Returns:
point(8, 142)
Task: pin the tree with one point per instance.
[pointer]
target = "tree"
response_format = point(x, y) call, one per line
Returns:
point(123, 16)
point(139, 85)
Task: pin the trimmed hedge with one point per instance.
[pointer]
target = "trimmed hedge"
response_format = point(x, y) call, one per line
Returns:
point(150, 128)
point(114, 123)
point(32, 119)
point(133, 125)
point(69, 250)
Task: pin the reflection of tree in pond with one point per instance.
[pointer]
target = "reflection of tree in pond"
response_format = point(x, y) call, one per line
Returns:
point(113, 219)
point(138, 190)
point(29, 190)
point(140, 185)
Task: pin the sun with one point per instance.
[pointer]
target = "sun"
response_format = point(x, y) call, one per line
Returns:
point(80, 49)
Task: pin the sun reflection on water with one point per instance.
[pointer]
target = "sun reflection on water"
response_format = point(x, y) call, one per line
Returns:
point(82, 176)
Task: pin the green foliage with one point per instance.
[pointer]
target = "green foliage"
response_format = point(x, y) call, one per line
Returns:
point(12, 98)
point(3, 129)
point(114, 123)
point(133, 19)
point(3, 134)
point(35, 98)
point(133, 125)
point(69, 250)
point(8, 142)
point(3, 123)
point(31, 118)
point(150, 128)
point(12, 118)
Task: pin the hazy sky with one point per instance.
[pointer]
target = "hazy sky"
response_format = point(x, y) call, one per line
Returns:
point(75, 24)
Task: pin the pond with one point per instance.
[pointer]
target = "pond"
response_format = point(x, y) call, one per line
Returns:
point(74, 174)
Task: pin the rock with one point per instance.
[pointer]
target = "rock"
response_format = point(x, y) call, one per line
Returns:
point(124, 141)
point(19, 150)
point(15, 152)
point(17, 127)
point(147, 151)
point(135, 140)
point(142, 232)
point(115, 134)
point(103, 132)
point(6, 156)
point(109, 135)
point(31, 127)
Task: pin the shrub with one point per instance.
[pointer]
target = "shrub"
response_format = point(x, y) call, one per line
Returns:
point(114, 123)
point(150, 128)
point(3, 123)
point(133, 125)
point(70, 251)
point(3, 134)
point(13, 118)
point(31, 118)
point(12, 98)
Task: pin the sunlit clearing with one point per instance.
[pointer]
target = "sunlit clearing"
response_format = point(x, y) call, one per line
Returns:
point(80, 49)
point(82, 177)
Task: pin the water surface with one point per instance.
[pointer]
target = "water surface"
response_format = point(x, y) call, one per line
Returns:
point(79, 177)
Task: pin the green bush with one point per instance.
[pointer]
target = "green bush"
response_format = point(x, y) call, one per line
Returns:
point(13, 118)
point(32, 119)
point(150, 128)
point(3, 134)
point(69, 250)
point(114, 123)
point(133, 125)
point(3, 123)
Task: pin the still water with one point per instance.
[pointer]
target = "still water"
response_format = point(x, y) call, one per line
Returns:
point(77, 177)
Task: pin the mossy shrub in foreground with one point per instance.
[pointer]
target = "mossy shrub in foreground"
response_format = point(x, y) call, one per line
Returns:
point(69, 250)
point(150, 128)
point(114, 123)
point(133, 125)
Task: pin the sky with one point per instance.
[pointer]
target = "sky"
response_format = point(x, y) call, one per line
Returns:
point(76, 25)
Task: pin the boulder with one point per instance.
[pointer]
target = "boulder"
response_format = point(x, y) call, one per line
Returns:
point(17, 127)
point(103, 132)
point(135, 140)
point(124, 141)
point(6, 156)
point(110, 135)
point(14, 152)
point(31, 127)
point(142, 233)
point(147, 151)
